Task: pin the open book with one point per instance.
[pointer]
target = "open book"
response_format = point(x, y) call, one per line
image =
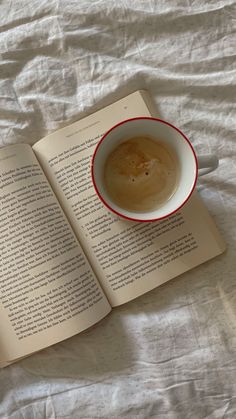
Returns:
point(65, 259)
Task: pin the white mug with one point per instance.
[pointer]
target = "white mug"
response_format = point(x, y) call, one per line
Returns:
point(191, 166)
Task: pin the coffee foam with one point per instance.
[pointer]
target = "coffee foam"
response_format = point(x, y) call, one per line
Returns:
point(141, 174)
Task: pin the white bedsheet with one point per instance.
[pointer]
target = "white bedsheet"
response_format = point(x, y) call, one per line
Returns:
point(171, 353)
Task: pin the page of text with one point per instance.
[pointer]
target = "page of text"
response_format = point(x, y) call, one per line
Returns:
point(129, 258)
point(48, 290)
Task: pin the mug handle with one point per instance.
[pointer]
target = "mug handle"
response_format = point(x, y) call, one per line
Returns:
point(207, 163)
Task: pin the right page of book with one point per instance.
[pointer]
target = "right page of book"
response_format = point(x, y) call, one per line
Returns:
point(129, 258)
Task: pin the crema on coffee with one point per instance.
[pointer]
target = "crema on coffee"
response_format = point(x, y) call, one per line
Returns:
point(141, 174)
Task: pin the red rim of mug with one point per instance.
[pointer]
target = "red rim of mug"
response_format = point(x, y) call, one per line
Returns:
point(105, 136)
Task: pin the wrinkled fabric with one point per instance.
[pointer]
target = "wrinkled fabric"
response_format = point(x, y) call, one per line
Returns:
point(170, 354)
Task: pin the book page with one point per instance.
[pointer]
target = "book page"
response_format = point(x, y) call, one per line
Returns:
point(129, 258)
point(48, 290)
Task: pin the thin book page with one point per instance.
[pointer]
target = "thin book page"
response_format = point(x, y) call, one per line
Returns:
point(129, 258)
point(48, 291)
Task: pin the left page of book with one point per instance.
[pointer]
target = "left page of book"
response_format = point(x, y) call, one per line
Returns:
point(48, 290)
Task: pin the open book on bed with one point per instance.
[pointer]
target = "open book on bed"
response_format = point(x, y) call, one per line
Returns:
point(65, 259)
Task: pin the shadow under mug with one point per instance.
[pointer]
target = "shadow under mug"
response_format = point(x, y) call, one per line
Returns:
point(191, 166)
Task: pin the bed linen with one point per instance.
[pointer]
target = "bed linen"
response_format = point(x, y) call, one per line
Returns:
point(171, 353)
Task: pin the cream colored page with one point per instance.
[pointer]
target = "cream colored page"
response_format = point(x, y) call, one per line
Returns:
point(129, 258)
point(48, 290)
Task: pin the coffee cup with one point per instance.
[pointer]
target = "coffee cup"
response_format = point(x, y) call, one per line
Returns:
point(175, 148)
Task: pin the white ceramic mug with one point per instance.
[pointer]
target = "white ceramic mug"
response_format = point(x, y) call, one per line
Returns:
point(191, 166)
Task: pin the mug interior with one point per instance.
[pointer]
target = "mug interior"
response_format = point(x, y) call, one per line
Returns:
point(158, 130)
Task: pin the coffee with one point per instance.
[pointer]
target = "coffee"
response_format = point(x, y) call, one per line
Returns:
point(141, 174)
